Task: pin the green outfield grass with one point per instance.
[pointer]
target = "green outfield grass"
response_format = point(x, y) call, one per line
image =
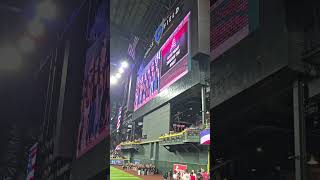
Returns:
point(117, 174)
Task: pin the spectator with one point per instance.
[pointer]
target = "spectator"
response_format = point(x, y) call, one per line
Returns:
point(165, 176)
point(142, 169)
point(170, 175)
point(175, 175)
point(193, 173)
point(199, 177)
point(192, 176)
point(204, 175)
point(186, 175)
point(139, 171)
point(180, 175)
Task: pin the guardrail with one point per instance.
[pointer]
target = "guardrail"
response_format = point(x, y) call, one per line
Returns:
point(187, 135)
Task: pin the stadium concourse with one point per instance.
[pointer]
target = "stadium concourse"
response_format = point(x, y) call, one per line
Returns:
point(118, 174)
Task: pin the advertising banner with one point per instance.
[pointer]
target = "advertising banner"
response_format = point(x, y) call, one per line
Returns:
point(136, 161)
point(118, 162)
point(180, 167)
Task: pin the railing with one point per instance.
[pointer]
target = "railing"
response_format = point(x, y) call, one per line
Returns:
point(187, 135)
point(130, 143)
point(186, 131)
point(184, 136)
point(126, 143)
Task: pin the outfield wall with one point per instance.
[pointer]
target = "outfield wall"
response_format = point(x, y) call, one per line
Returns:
point(163, 159)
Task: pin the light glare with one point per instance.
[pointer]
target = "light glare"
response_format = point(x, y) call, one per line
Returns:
point(113, 80)
point(121, 70)
point(124, 64)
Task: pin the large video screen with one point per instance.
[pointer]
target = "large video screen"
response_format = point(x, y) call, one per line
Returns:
point(174, 59)
point(147, 82)
point(169, 64)
point(95, 98)
point(229, 23)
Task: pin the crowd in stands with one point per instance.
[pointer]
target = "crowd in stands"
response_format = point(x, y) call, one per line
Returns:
point(132, 142)
point(179, 128)
point(116, 154)
point(185, 175)
point(142, 169)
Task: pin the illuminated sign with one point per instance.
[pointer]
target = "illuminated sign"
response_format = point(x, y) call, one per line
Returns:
point(179, 167)
point(162, 28)
point(164, 24)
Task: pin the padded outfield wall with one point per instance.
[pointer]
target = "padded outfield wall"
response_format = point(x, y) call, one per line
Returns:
point(166, 159)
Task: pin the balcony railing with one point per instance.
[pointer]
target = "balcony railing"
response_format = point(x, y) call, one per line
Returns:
point(186, 136)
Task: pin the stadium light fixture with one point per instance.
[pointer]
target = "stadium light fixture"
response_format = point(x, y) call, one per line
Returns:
point(26, 44)
point(259, 149)
point(124, 64)
point(121, 70)
point(36, 28)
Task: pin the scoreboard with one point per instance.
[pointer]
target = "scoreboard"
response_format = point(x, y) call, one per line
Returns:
point(230, 22)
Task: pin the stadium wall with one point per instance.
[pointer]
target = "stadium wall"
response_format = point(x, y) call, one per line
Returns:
point(164, 159)
point(156, 123)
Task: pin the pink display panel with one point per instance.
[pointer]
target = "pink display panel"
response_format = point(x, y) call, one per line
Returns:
point(174, 55)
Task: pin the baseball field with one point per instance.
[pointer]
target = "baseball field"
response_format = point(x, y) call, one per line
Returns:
point(117, 174)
